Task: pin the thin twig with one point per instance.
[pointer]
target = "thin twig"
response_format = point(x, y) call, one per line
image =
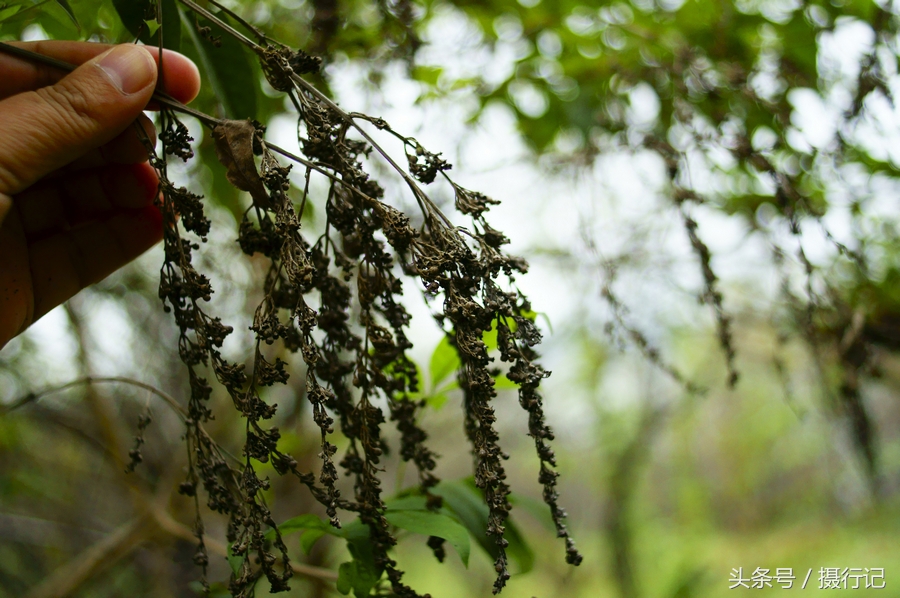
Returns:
point(68, 578)
point(256, 31)
point(88, 380)
point(104, 413)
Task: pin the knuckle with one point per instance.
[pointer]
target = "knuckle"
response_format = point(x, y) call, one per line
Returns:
point(69, 107)
point(8, 178)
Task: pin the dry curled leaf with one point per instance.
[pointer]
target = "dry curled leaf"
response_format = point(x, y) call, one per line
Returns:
point(234, 148)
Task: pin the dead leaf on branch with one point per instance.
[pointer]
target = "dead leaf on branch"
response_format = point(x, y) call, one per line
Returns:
point(234, 148)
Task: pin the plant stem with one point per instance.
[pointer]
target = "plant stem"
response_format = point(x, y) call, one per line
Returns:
point(414, 187)
point(228, 28)
point(171, 103)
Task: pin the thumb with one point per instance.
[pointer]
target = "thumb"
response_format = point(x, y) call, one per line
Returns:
point(50, 127)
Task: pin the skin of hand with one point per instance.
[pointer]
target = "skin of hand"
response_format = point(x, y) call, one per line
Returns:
point(76, 191)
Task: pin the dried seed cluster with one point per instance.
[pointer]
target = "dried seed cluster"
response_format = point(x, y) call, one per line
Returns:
point(353, 363)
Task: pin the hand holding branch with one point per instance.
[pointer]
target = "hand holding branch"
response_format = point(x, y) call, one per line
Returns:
point(76, 192)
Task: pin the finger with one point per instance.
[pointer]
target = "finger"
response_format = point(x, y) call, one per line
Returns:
point(127, 148)
point(46, 129)
point(16, 305)
point(180, 79)
point(63, 203)
point(64, 264)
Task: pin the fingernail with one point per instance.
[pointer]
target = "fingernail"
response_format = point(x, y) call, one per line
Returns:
point(130, 68)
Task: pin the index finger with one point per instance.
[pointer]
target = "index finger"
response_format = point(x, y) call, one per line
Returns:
point(180, 77)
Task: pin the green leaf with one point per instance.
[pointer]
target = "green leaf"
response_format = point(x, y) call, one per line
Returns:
point(66, 7)
point(429, 523)
point(489, 338)
point(800, 48)
point(8, 12)
point(307, 521)
point(536, 508)
point(171, 25)
point(357, 576)
point(344, 583)
point(234, 561)
point(529, 314)
point(227, 69)
point(309, 538)
point(428, 75)
point(355, 531)
point(436, 401)
point(56, 27)
point(466, 502)
point(360, 574)
point(399, 369)
point(501, 382)
point(132, 13)
point(152, 27)
point(413, 502)
point(444, 361)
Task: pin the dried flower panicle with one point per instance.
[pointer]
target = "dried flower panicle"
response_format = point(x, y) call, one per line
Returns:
point(353, 363)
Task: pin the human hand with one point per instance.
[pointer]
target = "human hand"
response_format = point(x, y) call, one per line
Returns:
point(76, 192)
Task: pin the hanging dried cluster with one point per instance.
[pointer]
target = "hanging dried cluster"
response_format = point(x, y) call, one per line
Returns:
point(352, 363)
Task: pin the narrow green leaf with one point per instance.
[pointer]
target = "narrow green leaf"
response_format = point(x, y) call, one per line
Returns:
point(444, 361)
point(66, 7)
point(55, 25)
point(429, 523)
point(171, 25)
point(8, 12)
point(226, 68)
point(13, 15)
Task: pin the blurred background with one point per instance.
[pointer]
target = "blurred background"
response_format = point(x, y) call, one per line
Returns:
point(707, 193)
